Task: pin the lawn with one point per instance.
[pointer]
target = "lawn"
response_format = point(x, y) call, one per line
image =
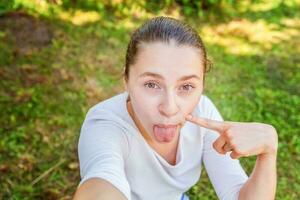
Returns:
point(58, 60)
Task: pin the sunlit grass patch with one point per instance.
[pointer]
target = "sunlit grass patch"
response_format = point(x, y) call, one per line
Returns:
point(46, 90)
point(244, 37)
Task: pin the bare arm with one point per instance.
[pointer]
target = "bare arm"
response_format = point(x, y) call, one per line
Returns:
point(262, 181)
point(96, 189)
point(249, 139)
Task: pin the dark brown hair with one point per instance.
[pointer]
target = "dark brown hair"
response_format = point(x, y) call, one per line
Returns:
point(163, 29)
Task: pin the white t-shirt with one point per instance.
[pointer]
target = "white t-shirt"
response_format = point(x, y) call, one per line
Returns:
point(111, 147)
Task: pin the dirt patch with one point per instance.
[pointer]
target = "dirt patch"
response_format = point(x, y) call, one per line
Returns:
point(25, 32)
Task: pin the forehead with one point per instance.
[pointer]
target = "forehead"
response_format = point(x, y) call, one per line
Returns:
point(168, 59)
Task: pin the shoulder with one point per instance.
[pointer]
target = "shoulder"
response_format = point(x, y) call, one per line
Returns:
point(205, 104)
point(102, 125)
point(108, 112)
point(114, 104)
point(102, 135)
point(112, 109)
point(207, 109)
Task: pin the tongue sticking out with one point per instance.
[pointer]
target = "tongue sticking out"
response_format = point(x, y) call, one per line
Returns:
point(164, 134)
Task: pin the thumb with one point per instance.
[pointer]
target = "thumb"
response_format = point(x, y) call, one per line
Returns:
point(235, 155)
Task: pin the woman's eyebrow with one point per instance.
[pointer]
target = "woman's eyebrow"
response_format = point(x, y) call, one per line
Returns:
point(184, 78)
point(151, 74)
point(158, 76)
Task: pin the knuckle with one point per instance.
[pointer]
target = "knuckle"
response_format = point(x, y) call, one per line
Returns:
point(228, 135)
point(218, 150)
point(214, 145)
point(233, 145)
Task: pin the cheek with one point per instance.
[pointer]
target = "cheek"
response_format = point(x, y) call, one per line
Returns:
point(144, 106)
point(188, 105)
point(145, 112)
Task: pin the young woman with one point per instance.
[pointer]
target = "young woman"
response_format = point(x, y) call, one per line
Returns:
point(150, 141)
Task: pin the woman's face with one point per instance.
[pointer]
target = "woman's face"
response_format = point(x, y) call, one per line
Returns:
point(165, 85)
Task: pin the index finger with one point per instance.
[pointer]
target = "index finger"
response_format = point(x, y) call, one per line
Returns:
point(208, 123)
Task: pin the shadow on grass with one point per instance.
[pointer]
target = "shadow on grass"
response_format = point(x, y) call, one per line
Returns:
point(45, 93)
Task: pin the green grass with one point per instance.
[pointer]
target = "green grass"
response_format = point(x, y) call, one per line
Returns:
point(45, 91)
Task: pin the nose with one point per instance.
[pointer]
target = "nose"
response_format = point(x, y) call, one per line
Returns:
point(168, 106)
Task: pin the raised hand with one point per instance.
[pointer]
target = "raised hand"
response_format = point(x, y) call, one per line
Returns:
point(241, 138)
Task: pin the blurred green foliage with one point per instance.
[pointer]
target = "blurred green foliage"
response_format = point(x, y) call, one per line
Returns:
point(60, 57)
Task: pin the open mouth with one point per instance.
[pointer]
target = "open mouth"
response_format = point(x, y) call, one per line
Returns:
point(164, 133)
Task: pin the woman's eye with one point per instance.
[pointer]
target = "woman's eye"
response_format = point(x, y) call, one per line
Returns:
point(187, 87)
point(151, 85)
